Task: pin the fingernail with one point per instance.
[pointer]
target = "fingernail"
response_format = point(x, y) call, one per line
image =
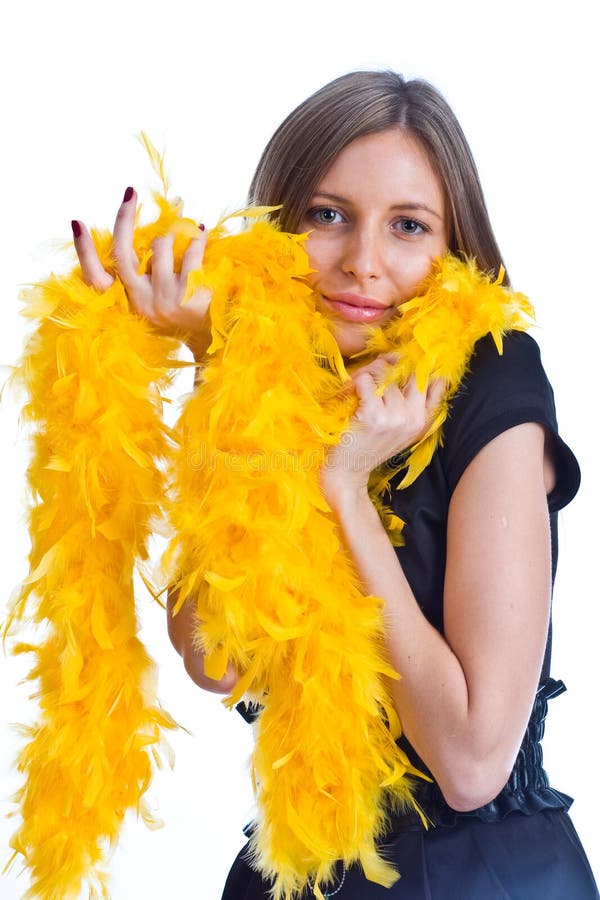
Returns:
point(201, 226)
point(128, 195)
point(76, 228)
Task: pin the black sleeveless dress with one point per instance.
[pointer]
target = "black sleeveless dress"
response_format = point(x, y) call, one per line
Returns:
point(522, 845)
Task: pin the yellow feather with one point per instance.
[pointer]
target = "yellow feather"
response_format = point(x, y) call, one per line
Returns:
point(283, 628)
point(157, 160)
point(87, 759)
point(255, 548)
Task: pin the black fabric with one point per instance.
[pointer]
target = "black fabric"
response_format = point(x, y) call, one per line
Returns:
point(522, 845)
point(527, 790)
point(498, 393)
point(536, 857)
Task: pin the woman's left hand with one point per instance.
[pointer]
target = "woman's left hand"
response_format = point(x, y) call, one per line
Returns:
point(382, 426)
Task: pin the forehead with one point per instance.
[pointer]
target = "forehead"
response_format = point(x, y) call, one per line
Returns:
point(390, 165)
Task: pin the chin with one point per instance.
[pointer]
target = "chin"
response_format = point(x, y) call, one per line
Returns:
point(350, 341)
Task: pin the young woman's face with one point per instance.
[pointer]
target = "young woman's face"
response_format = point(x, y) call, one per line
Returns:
point(377, 221)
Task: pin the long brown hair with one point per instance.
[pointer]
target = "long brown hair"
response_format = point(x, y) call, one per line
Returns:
point(306, 143)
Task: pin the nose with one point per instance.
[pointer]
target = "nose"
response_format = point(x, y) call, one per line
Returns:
point(363, 254)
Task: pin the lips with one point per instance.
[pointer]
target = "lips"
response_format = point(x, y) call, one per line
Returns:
point(356, 308)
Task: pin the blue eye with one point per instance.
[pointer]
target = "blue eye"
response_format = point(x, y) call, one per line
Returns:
point(324, 215)
point(410, 226)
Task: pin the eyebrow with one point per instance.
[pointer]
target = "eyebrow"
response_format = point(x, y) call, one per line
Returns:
point(400, 206)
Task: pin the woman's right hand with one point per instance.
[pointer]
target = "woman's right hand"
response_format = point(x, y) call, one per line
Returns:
point(156, 296)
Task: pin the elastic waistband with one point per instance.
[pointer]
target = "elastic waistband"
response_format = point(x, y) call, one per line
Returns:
point(527, 790)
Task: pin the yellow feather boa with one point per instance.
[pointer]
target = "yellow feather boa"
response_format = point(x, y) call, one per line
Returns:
point(255, 548)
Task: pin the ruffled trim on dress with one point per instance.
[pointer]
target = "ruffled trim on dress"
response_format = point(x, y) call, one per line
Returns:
point(527, 790)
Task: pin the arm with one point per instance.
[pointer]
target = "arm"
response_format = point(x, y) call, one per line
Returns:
point(181, 629)
point(464, 699)
point(158, 297)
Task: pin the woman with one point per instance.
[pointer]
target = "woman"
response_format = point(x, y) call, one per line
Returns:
point(377, 170)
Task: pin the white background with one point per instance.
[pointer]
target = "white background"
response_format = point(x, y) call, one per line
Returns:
point(210, 82)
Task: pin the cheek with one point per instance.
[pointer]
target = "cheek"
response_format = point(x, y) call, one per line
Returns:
point(319, 257)
point(410, 274)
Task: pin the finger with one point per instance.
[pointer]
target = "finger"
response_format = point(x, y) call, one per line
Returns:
point(163, 276)
point(365, 386)
point(365, 378)
point(123, 252)
point(435, 392)
point(369, 379)
point(382, 371)
point(92, 269)
point(406, 401)
point(194, 255)
point(375, 369)
point(391, 358)
point(411, 388)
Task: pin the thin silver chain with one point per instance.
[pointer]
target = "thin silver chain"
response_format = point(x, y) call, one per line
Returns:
point(329, 894)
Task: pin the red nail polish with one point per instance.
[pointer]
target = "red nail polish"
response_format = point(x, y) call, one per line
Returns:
point(128, 195)
point(201, 227)
point(76, 228)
